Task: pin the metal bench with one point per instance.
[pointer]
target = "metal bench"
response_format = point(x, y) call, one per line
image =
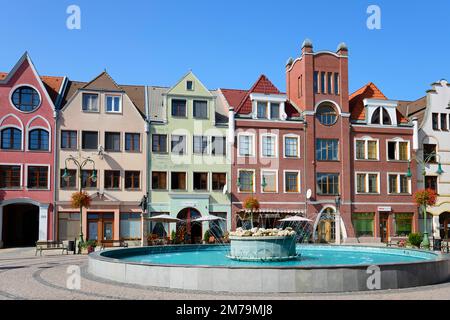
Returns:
point(50, 245)
point(113, 243)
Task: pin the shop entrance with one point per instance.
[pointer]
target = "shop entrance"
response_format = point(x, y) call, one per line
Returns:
point(190, 232)
point(444, 225)
point(20, 225)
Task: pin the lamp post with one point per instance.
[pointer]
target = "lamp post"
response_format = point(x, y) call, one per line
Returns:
point(80, 163)
point(439, 171)
point(338, 219)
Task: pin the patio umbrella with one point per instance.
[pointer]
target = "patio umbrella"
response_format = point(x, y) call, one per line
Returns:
point(209, 218)
point(164, 218)
point(295, 219)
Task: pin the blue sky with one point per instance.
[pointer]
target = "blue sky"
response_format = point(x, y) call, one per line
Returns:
point(229, 43)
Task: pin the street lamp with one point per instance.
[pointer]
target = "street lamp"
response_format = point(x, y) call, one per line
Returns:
point(80, 163)
point(426, 241)
point(337, 200)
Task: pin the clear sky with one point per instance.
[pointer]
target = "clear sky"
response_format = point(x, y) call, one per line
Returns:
point(229, 43)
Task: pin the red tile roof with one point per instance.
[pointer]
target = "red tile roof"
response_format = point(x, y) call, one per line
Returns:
point(369, 91)
point(52, 84)
point(233, 96)
point(262, 85)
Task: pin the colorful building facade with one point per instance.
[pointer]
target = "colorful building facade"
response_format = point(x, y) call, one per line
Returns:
point(27, 154)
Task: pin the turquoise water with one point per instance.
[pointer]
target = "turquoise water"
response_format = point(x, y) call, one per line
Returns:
point(309, 256)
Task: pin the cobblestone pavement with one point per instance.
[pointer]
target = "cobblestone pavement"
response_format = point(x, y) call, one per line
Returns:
point(24, 276)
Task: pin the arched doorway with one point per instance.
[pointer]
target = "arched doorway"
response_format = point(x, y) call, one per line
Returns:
point(20, 225)
point(190, 232)
point(444, 225)
point(326, 228)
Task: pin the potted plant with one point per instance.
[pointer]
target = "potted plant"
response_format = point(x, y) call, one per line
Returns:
point(415, 239)
point(252, 204)
point(425, 198)
point(88, 246)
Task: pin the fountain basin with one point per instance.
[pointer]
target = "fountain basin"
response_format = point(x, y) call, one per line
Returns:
point(269, 248)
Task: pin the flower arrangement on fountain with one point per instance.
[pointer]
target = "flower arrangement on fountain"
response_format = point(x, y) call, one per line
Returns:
point(262, 232)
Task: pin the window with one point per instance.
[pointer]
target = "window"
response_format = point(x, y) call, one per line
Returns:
point(87, 180)
point(159, 143)
point(246, 145)
point(435, 121)
point(178, 108)
point(274, 110)
point(291, 181)
point(431, 182)
point(130, 226)
point(326, 115)
point(10, 177)
point(218, 146)
point(327, 149)
point(11, 139)
point(38, 140)
point(328, 183)
point(398, 184)
point(444, 122)
point(71, 181)
point(429, 153)
point(363, 223)
point(113, 104)
point(398, 150)
point(336, 83)
point(159, 180)
point(329, 82)
point(112, 141)
point(68, 225)
point(90, 102)
point(381, 116)
point(200, 109)
point(367, 183)
point(269, 178)
point(200, 145)
point(322, 82)
point(291, 147)
point(132, 180)
point(89, 140)
point(316, 82)
point(112, 179)
point(132, 142)
point(200, 181)
point(246, 181)
point(37, 177)
point(68, 139)
point(189, 85)
point(26, 99)
point(178, 180)
point(403, 224)
point(366, 149)
point(219, 180)
point(269, 146)
point(178, 144)
point(261, 110)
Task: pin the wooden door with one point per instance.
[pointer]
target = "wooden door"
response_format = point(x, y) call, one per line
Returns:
point(384, 227)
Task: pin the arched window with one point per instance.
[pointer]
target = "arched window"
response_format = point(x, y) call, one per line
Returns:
point(38, 140)
point(11, 139)
point(26, 99)
point(327, 115)
point(381, 116)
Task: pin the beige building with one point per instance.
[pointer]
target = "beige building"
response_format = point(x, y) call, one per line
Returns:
point(105, 122)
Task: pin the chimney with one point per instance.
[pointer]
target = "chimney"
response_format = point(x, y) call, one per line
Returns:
point(342, 49)
point(415, 134)
point(231, 126)
point(307, 46)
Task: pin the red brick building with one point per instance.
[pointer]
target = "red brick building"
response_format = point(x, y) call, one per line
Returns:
point(353, 152)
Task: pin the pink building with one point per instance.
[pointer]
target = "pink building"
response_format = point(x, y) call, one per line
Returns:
point(27, 154)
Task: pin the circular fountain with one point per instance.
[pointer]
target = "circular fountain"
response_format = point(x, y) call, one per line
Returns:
point(262, 245)
point(270, 261)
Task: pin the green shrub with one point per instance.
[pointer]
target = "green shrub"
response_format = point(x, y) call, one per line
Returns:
point(415, 239)
point(173, 235)
point(206, 236)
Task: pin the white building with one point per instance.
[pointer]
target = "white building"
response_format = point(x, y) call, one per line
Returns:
point(432, 113)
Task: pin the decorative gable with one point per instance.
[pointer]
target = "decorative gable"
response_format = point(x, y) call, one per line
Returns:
point(263, 86)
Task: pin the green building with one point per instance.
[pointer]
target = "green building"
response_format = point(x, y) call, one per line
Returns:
point(189, 161)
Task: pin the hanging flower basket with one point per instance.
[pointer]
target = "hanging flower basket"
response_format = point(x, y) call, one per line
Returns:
point(81, 199)
point(251, 203)
point(426, 197)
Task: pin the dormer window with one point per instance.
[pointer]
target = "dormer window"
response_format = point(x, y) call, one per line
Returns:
point(381, 116)
point(261, 110)
point(189, 85)
point(274, 111)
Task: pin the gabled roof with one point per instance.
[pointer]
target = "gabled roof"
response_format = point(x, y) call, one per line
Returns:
point(103, 82)
point(356, 103)
point(262, 85)
point(233, 96)
point(414, 109)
